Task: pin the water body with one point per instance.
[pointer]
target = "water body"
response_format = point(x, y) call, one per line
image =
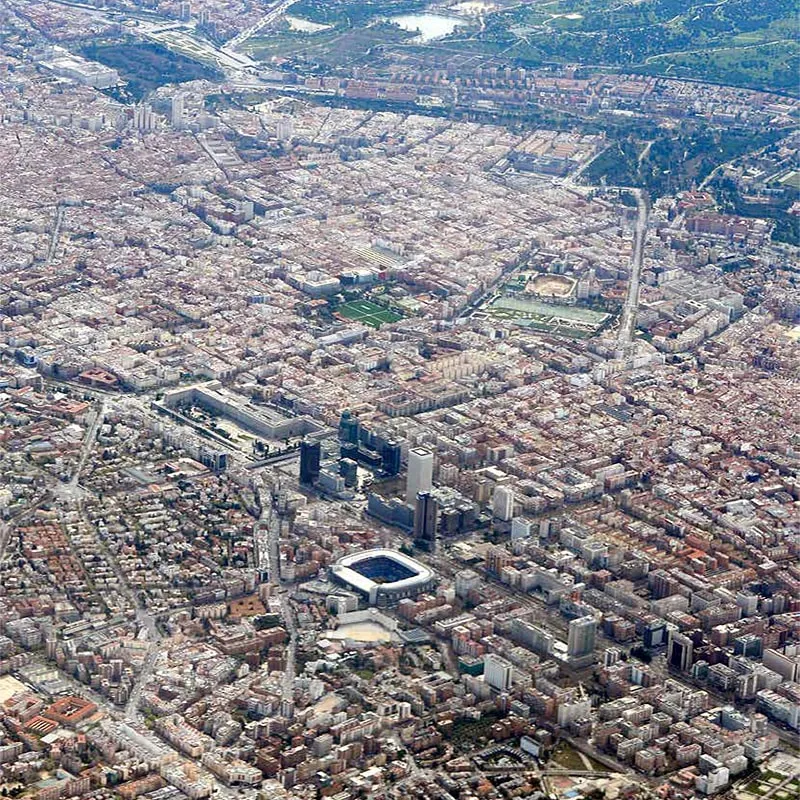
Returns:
point(430, 26)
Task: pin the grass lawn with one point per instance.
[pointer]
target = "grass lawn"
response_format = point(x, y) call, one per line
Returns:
point(335, 47)
point(367, 313)
point(565, 756)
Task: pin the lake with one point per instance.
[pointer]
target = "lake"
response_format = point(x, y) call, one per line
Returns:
point(430, 26)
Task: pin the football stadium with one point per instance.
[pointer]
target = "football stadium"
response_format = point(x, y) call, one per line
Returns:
point(383, 577)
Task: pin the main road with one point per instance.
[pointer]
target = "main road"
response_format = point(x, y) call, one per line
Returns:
point(271, 16)
point(287, 612)
point(627, 323)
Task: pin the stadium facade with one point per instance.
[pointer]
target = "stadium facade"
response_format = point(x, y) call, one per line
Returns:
point(383, 577)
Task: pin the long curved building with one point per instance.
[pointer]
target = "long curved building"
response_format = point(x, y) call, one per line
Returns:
point(383, 577)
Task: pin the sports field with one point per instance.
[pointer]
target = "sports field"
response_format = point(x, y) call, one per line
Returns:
point(367, 313)
point(573, 321)
point(791, 179)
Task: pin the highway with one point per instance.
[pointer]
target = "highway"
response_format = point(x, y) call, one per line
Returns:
point(88, 443)
point(142, 679)
point(289, 672)
point(266, 535)
point(54, 234)
point(271, 16)
point(180, 37)
point(266, 551)
point(627, 323)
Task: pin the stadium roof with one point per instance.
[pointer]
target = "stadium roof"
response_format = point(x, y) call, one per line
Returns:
point(343, 569)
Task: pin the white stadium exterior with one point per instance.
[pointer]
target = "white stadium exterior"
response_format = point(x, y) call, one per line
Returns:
point(376, 589)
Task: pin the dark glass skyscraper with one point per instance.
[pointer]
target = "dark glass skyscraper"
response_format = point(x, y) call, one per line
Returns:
point(310, 456)
point(426, 517)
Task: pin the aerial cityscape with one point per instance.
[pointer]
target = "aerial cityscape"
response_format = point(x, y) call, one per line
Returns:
point(399, 400)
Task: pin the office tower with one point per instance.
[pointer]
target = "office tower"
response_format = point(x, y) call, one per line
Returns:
point(482, 490)
point(392, 455)
point(758, 724)
point(580, 640)
point(246, 209)
point(661, 584)
point(330, 481)
point(503, 503)
point(420, 472)
point(679, 651)
point(426, 515)
point(451, 520)
point(497, 672)
point(176, 117)
point(348, 428)
point(747, 645)
point(310, 456)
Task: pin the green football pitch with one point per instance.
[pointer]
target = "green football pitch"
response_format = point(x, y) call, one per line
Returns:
point(367, 313)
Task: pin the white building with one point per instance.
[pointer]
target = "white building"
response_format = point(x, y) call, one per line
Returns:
point(143, 118)
point(497, 672)
point(503, 503)
point(574, 710)
point(713, 782)
point(420, 473)
point(466, 581)
point(285, 129)
point(520, 528)
point(176, 117)
point(580, 641)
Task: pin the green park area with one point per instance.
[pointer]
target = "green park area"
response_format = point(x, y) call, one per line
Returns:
point(332, 47)
point(146, 65)
point(334, 33)
point(749, 43)
point(770, 783)
point(560, 320)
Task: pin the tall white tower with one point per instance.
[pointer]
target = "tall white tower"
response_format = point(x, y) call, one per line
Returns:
point(143, 118)
point(503, 503)
point(177, 111)
point(420, 473)
point(498, 672)
point(580, 641)
point(285, 129)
